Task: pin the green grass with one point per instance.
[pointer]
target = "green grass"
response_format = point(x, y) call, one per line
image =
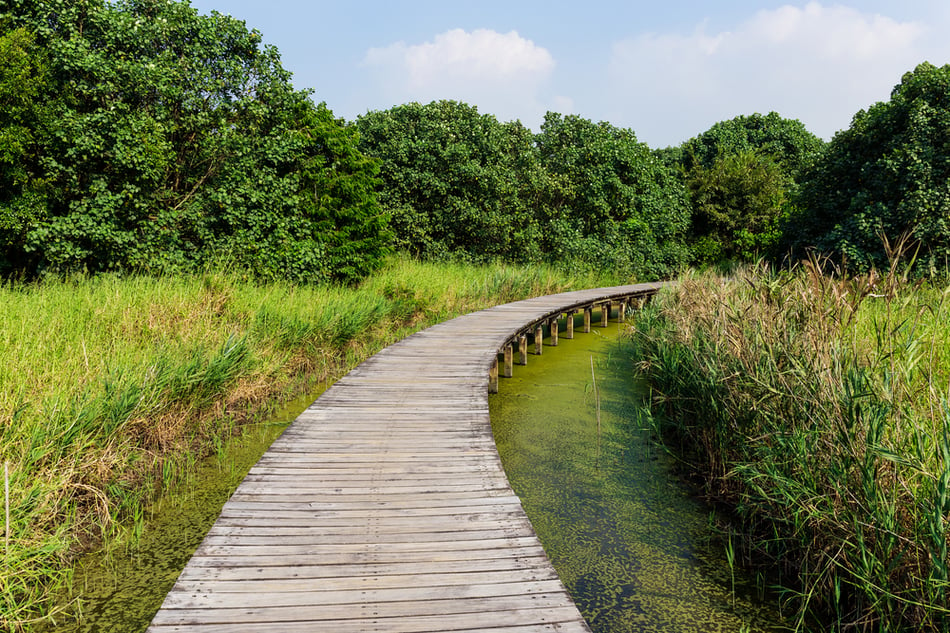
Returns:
point(111, 388)
point(818, 409)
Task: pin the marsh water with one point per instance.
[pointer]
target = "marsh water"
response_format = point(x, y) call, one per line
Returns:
point(628, 541)
point(120, 591)
point(634, 548)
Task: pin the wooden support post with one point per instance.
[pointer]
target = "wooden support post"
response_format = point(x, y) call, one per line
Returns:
point(539, 339)
point(622, 311)
point(570, 324)
point(493, 376)
point(604, 314)
point(587, 312)
point(523, 349)
point(553, 324)
point(509, 361)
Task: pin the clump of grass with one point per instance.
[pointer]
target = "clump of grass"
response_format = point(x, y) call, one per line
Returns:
point(111, 388)
point(818, 408)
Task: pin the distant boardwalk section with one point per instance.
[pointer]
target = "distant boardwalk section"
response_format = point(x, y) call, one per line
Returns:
point(384, 506)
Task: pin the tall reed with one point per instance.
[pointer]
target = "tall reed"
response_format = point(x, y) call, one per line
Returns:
point(111, 388)
point(816, 407)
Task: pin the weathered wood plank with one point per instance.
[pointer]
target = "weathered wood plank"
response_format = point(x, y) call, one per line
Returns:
point(384, 507)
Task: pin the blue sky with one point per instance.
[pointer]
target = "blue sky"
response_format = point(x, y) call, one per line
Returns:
point(666, 69)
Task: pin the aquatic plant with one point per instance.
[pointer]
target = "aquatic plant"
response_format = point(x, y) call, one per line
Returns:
point(816, 407)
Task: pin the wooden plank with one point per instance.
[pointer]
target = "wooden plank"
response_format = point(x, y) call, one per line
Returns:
point(384, 506)
point(529, 620)
point(473, 607)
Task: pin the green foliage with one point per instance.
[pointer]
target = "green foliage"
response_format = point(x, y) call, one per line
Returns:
point(737, 203)
point(886, 176)
point(616, 205)
point(578, 194)
point(23, 81)
point(741, 174)
point(455, 181)
point(786, 141)
point(174, 138)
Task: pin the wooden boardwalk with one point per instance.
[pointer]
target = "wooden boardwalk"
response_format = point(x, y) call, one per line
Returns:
point(384, 506)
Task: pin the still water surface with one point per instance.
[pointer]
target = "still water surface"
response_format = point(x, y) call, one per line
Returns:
point(627, 539)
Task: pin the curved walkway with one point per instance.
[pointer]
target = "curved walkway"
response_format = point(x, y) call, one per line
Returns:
point(384, 506)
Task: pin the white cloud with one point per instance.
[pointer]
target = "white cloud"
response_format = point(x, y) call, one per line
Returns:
point(816, 63)
point(502, 73)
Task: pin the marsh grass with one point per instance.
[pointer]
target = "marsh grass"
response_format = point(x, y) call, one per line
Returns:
point(815, 406)
point(112, 388)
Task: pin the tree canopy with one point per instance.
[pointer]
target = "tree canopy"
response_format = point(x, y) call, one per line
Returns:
point(742, 175)
point(459, 183)
point(138, 135)
point(455, 182)
point(616, 203)
point(886, 176)
point(168, 139)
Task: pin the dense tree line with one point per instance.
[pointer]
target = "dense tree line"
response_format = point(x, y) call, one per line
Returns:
point(138, 135)
point(461, 184)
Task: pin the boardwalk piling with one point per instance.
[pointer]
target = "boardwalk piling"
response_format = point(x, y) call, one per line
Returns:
point(569, 333)
point(523, 349)
point(509, 361)
point(493, 376)
point(587, 315)
point(539, 339)
point(554, 327)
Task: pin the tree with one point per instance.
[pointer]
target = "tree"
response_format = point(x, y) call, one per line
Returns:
point(886, 176)
point(456, 182)
point(176, 138)
point(737, 205)
point(786, 141)
point(616, 204)
point(742, 175)
point(23, 84)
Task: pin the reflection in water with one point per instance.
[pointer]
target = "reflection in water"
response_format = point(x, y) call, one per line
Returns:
point(624, 535)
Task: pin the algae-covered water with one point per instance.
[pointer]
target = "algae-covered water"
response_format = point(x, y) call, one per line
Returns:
point(627, 539)
point(625, 536)
point(120, 591)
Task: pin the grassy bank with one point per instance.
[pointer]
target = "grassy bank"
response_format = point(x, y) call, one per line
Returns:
point(817, 410)
point(111, 388)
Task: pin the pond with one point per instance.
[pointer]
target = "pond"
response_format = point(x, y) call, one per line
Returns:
point(633, 547)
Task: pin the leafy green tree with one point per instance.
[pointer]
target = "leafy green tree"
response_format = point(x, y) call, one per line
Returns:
point(177, 138)
point(456, 182)
point(742, 175)
point(615, 203)
point(786, 141)
point(738, 202)
point(886, 176)
point(23, 78)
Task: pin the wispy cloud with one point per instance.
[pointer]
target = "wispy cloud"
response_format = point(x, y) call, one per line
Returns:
point(502, 73)
point(817, 63)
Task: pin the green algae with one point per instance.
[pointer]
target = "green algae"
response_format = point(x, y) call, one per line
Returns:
point(119, 591)
point(624, 534)
point(629, 542)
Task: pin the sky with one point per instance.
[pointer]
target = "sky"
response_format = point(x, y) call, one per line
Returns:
point(667, 69)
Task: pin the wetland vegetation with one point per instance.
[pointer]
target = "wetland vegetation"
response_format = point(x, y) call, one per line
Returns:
point(113, 388)
point(186, 240)
point(815, 408)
